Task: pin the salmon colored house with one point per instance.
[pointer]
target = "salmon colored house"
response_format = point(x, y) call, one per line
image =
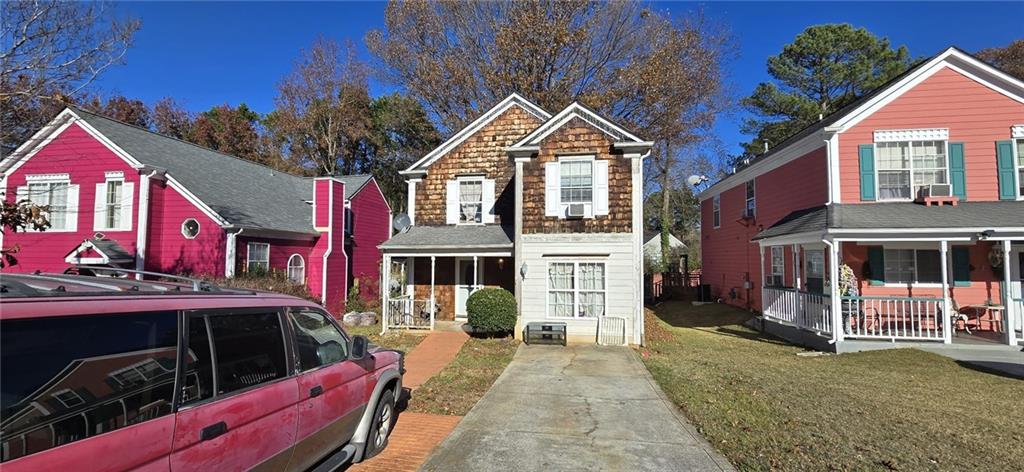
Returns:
point(899, 218)
point(122, 196)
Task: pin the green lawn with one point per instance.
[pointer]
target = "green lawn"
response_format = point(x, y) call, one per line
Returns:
point(764, 407)
point(402, 340)
point(458, 386)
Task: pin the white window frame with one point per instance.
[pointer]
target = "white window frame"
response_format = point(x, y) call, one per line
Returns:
point(576, 290)
point(199, 228)
point(248, 256)
point(466, 179)
point(112, 208)
point(915, 282)
point(288, 269)
point(750, 191)
point(779, 269)
point(51, 181)
point(911, 169)
point(1018, 161)
point(716, 211)
point(562, 160)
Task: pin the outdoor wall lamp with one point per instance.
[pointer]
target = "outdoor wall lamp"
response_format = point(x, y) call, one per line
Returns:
point(501, 263)
point(522, 270)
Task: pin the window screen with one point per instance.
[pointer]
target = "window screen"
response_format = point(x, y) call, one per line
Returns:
point(69, 378)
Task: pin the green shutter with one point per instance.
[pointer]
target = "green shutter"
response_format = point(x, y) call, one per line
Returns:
point(867, 172)
point(961, 266)
point(1007, 171)
point(876, 265)
point(957, 174)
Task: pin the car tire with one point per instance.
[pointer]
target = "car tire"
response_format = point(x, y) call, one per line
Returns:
point(383, 422)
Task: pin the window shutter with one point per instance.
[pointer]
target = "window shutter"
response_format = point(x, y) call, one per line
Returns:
point(1007, 172)
point(867, 172)
point(961, 266)
point(488, 200)
point(21, 194)
point(452, 202)
point(876, 264)
point(99, 217)
point(127, 191)
point(600, 187)
point(71, 218)
point(957, 173)
point(552, 190)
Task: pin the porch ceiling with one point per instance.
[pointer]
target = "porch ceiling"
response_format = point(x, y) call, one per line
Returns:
point(899, 217)
point(450, 238)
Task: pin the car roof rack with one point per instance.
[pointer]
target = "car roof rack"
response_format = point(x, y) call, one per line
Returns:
point(46, 284)
point(197, 284)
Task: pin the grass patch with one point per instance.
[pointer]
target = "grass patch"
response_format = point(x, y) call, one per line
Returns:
point(458, 386)
point(398, 339)
point(764, 407)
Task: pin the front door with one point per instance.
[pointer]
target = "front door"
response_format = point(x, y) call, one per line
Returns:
point(465, 282)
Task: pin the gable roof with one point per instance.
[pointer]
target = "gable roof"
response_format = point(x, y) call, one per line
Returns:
point(458, 138)
point(574, 110)
point(845, 117)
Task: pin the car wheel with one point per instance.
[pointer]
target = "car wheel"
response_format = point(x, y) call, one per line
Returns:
point(380, 428)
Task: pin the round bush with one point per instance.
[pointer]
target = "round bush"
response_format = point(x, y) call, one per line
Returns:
point(492, 310)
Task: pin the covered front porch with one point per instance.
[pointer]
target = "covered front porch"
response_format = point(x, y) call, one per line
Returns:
point(954, 286)
point(431, 272)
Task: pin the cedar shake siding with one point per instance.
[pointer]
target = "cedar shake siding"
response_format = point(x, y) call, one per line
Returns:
point(975, 115)
point(482, 153)
point(578, 138)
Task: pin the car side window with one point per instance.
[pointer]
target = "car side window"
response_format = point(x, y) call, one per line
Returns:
point(318, 342)
point(247, 350)
point(69, 378)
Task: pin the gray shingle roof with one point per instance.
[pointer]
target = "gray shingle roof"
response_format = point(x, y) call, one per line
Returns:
point(899, 215)
point(243, 192)
point(109, 247)
point(452, 236)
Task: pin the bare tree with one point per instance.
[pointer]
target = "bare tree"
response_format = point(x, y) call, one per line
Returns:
point(658, 75)
point(321, 109)
point(52, 50)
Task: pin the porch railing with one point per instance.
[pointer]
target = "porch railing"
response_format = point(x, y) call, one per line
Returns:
point(893, 318)
point(1017, 318)
point(406, 312)
point(803, 309)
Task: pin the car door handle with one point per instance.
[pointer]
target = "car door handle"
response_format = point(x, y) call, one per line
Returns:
point(316, 391)
point(213, 431)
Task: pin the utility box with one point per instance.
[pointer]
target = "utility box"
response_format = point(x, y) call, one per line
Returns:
point(545, 333)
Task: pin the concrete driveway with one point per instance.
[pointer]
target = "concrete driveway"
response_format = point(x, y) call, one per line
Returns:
point(574, 408)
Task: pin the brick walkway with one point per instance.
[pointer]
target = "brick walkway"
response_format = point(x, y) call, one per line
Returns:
point(417, 434)
point(430, 356)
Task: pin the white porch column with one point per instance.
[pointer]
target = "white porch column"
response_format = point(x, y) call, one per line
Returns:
point(410, 277)
point(1011, 339)
point(385, 292)
point(947, 331)
point(476, 276)
point(796, 267)
point(838, 329)
point(433, 261)
point(764, 278)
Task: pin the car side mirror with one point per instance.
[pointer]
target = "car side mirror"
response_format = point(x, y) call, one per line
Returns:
point(358, 349)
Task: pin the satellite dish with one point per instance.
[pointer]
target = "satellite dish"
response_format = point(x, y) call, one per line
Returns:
point(402, 222)
point(695, 180)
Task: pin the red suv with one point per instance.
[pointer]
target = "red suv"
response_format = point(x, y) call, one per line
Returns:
point(112, 374)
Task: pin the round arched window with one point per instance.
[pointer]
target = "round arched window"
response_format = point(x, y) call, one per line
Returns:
point(296, 269)
point(190, 228)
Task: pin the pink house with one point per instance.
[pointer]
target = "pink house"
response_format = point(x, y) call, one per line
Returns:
point(123, 196)
point(916, 191)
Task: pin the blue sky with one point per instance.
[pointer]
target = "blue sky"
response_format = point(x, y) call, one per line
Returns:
point(205, 54)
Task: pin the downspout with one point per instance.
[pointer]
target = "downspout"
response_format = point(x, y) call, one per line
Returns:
point(330, 244)
point(142, 233)
point(230, 253)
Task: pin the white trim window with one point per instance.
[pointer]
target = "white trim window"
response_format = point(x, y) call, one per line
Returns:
point(113, 204)
point(751, 203)
point(56, 192)
point(1018, 146)
point(912, 267)
point(716, 211)
point(576, 289)
point(471, 200)
point(814, 269)
point(907, 167)
point(778, 267)
point(297, 269)
point(576, 181)
point(190, 228)
point(257, 258)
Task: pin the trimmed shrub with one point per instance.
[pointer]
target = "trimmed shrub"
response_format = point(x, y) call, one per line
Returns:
point(492, 310)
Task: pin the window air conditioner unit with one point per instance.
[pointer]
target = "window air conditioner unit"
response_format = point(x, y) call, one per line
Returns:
point(935, 190)
point(576, 210)
point(748, 214)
